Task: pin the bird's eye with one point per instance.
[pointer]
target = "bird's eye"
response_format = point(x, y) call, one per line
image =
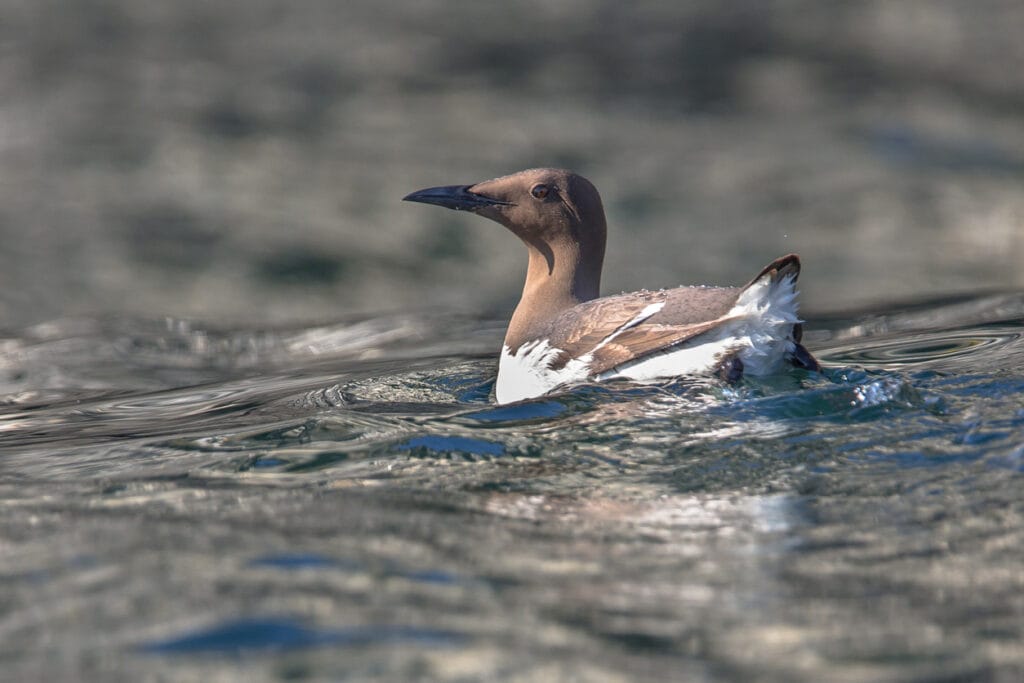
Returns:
point(539, 191)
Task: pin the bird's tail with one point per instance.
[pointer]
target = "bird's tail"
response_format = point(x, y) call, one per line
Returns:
point(783, 272)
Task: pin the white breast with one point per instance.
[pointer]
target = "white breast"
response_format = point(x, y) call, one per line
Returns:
point(527, 372)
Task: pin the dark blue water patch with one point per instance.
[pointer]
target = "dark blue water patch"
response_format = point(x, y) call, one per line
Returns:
point(271, 635)
point(296, 561)
point(452, 444)
point(307, 461)
point(519, 413)
point(268, 462)
point(478, 393)
point(437, 577)
point(243, 635)
point(466, 388)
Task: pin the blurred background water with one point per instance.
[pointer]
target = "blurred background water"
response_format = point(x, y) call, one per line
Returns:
point(207, 159)
point(245, 419)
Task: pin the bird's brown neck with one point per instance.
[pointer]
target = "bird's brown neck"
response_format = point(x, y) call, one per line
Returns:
point(560, 275)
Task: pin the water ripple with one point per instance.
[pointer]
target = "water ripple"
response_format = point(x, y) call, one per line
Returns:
point(940, 349)
point(375, 503)
point(277, 635)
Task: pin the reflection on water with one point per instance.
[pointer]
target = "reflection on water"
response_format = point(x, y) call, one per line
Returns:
point(345, 502)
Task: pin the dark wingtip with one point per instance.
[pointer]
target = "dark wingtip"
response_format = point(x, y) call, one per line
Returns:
point(782, 267)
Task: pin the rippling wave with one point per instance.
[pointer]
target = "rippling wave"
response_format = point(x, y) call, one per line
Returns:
point(348, 498)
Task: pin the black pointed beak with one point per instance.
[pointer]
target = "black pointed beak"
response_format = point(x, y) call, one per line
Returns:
point(456, 197)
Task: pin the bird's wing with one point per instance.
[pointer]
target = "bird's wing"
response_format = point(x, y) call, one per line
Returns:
point(616, 330)
point(644, 340)
point(619, 329)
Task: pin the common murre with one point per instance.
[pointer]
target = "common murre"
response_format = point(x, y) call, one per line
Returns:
point(563, 332)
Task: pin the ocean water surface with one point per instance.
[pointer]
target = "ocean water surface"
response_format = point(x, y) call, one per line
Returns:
point(345, 502)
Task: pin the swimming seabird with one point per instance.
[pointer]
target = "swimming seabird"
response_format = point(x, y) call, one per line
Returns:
point(564, 332)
